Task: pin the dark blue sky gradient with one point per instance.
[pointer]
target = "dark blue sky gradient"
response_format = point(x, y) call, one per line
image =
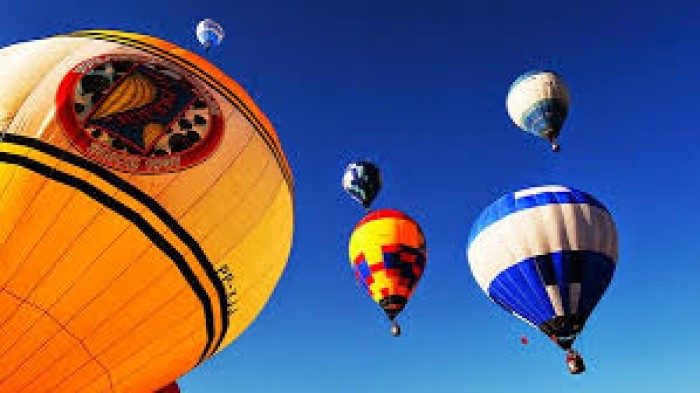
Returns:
point(420, 88)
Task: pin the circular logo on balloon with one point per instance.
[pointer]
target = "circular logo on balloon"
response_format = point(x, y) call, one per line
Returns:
point(138, 114)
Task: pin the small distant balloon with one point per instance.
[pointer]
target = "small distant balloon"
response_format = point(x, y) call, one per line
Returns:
point(362, 181)
point(524, 340)
point(538, 102)
point(209, 33)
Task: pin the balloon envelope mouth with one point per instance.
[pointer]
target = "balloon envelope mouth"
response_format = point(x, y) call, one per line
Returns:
point(563, 329)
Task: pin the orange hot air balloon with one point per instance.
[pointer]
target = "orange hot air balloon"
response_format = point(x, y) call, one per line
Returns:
point(146, 213)
point(388, 255)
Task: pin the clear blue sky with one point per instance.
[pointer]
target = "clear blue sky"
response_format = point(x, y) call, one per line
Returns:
point(420, 87)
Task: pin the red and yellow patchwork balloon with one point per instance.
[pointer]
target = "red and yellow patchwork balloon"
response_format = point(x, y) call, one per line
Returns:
point(388, 255)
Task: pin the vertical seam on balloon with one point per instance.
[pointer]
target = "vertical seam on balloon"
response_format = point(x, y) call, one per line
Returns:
point(566, 245)
point(156, 355)
point(22, 121)
point(224, 307)
point(106, 371)
point(32, 200)
point(56, 361)
point(529, 251)
point(182, 214)
point(72, 317)
point(590, 303)
point(517, 294)
point(7, 185)
point(223, 297)
point(247, 235)
point(548, 241)
point(57, 299)
point(524, 305)
point(129, 215)
point(260, 176)
point(578, 240)
point(267, 272)
point(28, 295)
point(126, 333)
point(61, 257)
point(159, 276)
point(254, 284)
point(595, 227)
point(143, 198)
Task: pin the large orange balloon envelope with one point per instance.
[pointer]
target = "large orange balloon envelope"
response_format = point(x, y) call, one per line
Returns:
point(388, 255)
point(145, 213)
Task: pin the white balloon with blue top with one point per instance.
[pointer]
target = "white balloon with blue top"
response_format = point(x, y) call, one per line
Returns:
point(538, 102)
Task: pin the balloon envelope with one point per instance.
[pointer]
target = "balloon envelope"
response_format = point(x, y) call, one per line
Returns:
point(546, 255)
point(362, 181)
point(388, 255)
point(538, 102)
point(146, 211)
point(209, 33)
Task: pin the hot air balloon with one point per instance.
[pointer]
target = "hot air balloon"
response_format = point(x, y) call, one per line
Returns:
point(171, 388)
point(363, 182)
point(538, 102)
point(546, 255)
point(209, 33)
point(388, 255)
point(145, 212)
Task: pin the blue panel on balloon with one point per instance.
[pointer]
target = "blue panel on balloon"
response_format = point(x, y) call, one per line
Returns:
point(363, 268)
point(520, 290)
point(546, 114)
point(508, 204)
point(522, 287)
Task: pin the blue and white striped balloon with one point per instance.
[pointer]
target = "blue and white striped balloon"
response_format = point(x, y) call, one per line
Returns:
point(538, 102)
point(209, 33)
point(546, 255)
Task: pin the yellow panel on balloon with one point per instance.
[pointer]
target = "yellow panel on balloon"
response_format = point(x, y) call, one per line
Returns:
point(388, 255)
point(146, 213)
